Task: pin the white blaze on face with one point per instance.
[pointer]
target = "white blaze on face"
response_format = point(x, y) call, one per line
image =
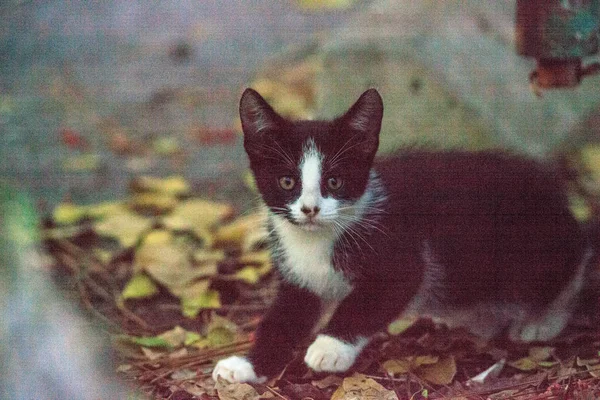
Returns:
point(311, 198)
point(310, 168)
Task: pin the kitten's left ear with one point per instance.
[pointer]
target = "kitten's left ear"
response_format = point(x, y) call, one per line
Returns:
point(256, 114)
point(364, 118)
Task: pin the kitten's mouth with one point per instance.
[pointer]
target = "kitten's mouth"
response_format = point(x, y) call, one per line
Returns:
point(310, 225)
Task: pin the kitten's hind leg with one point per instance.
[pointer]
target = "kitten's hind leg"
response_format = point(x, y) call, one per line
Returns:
point(556, 317)
point(541, 329)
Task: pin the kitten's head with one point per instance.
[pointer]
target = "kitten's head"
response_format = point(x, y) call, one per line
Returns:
point(313, 173)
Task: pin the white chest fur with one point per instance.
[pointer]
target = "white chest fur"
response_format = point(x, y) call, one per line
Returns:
point(306, 260)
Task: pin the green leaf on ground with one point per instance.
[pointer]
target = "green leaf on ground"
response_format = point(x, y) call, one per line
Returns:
point(138, 287)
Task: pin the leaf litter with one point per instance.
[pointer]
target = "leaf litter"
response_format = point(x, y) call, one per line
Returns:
point(181, 282)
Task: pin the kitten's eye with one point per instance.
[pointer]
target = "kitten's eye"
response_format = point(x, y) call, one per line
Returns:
point(287, 182)
point(334, 183)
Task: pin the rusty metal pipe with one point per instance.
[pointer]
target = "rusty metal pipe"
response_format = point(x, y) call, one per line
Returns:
point(559, 34)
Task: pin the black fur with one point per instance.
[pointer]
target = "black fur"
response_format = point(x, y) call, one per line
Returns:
point(499, 226)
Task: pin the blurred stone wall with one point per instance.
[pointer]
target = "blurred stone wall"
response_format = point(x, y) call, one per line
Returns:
point(449, 75)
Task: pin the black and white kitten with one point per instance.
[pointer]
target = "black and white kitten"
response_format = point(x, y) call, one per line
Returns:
point(482, 240)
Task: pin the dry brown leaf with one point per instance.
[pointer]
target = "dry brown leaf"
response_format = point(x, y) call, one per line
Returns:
point(152, 354)
point(439, 373)
point(235, 391)
point(359, 386)
point(328, 381)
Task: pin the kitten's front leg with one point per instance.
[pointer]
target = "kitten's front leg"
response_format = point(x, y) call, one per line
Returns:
point(290, 319)
point(367, 310)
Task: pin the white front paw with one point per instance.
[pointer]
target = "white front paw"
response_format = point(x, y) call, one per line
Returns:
point(332, 355)
point(236, 369)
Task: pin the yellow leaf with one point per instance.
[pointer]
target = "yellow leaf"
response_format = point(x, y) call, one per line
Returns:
point(248, 274)
point(168, 263)
point(174, 186)
point(590, 156)
point(425, 360)
point(204, 256)
point(324, 5)
point(191, 290)
point(139, 286)
point(191, 307)
point(397, 367)
point(197, 214)
point(127, 227)
point(153, 202)
point(235, 233)
point(579, 207)
point(102, 210)
point(524, 364)
point(440, 373)
point(400, 325)
point(158, 237)
point(255, 258)
point(68, 214)
point(175, 337)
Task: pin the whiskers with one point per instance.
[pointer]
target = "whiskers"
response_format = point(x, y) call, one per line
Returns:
point(353, 225)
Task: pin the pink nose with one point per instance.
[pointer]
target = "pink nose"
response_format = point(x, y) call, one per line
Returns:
point(310, 212)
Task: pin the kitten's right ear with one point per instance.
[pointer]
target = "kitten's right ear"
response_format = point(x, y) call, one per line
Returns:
point(256, 114)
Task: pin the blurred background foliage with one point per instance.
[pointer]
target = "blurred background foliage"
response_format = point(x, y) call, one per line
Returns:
point(93, 94)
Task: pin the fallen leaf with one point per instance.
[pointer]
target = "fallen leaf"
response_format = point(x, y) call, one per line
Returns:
point(167, 263)
point(197, 215)
point(397, 367)
point(145, 341)
point(400, 325)
point(68, 214)
point(206, 256)
point(537, 353)
point(235, 233)
point(105, 209)
point(360, 387)
point(152, 354)
point(174, 186)
point(184, 374)
point(324, 5)
point(235, 391)
point(175, 337)
point(220, 332)
point(191, 306)
point(303, 391)
point(328, 381)
point(439, 373)
point(153, 202)
point(126, 227)
point(139, 286)
point(590, 156)
point(524, 364)
point(249, 275)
